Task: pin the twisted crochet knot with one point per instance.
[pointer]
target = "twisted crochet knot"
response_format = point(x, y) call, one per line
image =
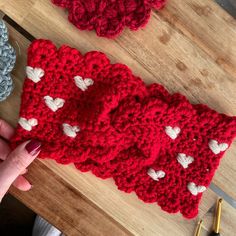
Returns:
point(104, 119)
point(7, 62)
point(109, 17)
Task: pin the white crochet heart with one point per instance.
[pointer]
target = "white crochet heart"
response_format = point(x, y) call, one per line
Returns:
point(217, 147)
point(184, 160)
point(172, 132)
point(194, 189)
point(70, 131)
point(156, 175)
point(54, 104)
point(28, 124)
point(83, 84)
point(34, 74)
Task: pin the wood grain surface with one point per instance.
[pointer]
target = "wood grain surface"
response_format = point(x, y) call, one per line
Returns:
point(189, 47)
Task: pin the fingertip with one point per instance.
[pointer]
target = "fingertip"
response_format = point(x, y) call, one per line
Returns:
point(26, 152)
point(22, 183)
point(33, 147)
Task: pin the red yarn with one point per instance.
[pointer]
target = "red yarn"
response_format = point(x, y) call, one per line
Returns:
point(155, 144)
point(109, 17)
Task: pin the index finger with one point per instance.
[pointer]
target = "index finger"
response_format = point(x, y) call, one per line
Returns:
point(6, 130)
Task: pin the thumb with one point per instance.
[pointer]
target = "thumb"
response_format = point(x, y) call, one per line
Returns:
point(16, 162)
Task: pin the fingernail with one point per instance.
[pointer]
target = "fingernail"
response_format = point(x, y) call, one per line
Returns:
point(33, 147)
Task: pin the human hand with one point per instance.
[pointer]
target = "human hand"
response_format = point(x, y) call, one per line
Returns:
point(14, 163)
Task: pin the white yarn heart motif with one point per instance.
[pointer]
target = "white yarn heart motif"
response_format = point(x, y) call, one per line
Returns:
point(70, 131)
point(28, 124)
point(216, 147)
point(34, 74)
point(156, 175)
point(83, 84)
point(172, 132)
point(184, 160)
point(194, 189)
point(54, 104)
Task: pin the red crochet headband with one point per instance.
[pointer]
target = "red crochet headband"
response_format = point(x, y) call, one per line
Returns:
point(109, 17)
point(104, 119)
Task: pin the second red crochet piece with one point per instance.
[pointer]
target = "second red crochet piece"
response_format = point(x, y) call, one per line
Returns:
point(109, 17)
point(104, 119)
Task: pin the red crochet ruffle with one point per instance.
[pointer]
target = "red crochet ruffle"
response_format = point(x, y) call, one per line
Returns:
point(109, 17)
point(150, 142)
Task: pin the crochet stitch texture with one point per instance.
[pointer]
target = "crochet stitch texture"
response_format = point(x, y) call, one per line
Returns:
point(104, 119)
point(7, 62)
point(109, 17)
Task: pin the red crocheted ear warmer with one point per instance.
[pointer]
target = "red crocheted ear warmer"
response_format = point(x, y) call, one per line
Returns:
point(104, 119)
point(109, 17)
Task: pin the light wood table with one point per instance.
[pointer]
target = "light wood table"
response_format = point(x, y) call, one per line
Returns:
point(189, 47)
